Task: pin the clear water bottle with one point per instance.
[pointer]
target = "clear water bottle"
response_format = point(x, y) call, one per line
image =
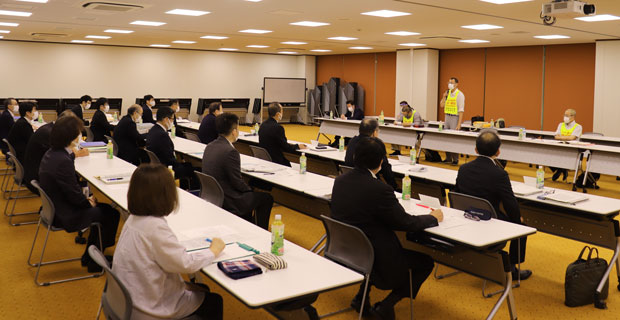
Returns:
point(540, 177)
point(277, 236)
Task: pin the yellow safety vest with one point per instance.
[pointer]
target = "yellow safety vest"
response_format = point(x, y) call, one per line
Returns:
point(567, 132)
point(410, 119)
point(450, 106)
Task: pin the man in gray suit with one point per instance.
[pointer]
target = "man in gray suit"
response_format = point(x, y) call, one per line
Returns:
point(222, 161)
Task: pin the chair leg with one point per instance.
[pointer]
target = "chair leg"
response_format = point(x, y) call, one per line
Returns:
point(445, 275)
point(99, 310)
point(6, 205)
point(13, 214)
point(33, 243)
point(364, 296)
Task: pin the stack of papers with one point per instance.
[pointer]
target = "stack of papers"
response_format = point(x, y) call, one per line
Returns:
point(567, 197)
point(523, 189)
point(196, 239)
point(259, 168)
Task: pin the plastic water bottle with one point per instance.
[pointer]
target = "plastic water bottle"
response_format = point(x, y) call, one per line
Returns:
point(110, 150)
point(277, 236)
point(440, 126)
point(382, 118)
point(173, 131)
point(521, 134)
point(412, 159)
point(341, 144)
point(406, 188)
point(540, 177)
point(40, 118)
point(256, 126)
point(331, 114)
point(302, 163)
point(115, 116)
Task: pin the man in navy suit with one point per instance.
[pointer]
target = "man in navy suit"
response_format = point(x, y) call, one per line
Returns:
point(7, 119)
point(85, 102)
point(147, 109)
point(353, 113)
point(207, 131)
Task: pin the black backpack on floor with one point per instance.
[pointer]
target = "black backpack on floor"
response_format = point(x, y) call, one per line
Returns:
point(431, 155)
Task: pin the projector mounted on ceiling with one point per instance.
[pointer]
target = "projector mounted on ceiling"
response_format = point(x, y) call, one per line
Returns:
point(565, 8)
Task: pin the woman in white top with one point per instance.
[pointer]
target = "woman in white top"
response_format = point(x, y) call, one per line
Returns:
point(149, 259)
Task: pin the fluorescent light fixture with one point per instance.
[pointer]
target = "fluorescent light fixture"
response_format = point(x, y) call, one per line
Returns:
point(504, 1)
point(482, 27)
point(186, 12)
point(160, 45)
point(253, 0)
point(148, 23)
point(15, 13)
point(342, 38)
point(82, 41)
point(117, 31)
point(386, 13)
point(228, 49)
point(412, 44)
point(287, 52)
point(598, 17)
point(5, 31)
point(259, 46)
point(360, 48)
point(474, 41)
point(295, 43)
point(1, 37)
point(37, 1)
point(309, 24)
point(214, 37)
point(402, 33)
point(9, 24)
point(98, 37)
point(552, 37)
point(320, 50)
point(258, 31)
point(183, 42)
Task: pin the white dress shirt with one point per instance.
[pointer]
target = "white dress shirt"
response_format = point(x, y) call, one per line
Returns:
point(149, 259)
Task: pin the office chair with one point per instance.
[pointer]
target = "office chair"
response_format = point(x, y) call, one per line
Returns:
point(260, 153)
point(210, 189)
point(18, 180)
point(114, 145)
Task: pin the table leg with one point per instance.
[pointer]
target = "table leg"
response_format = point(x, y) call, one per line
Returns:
point(579, 158)
point(420, 136)
point(507, 294)
point(598, 302)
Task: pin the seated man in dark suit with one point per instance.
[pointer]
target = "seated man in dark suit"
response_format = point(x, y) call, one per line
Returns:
point(369, 127)
point(7, 119)
point(85, 102)
point(22, 130)
point(100, 125)
point(207, 131)
point(147, 109)
point(158, 141)
point(360, 199)
point(222, 161)
point(485, 178)
point(127, 137)
point(353, 113)
point(176, 107)
point(38, 144)
point(272, 137)
point(74, 209)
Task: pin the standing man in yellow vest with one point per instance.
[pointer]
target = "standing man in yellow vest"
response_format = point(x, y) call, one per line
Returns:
point(453, 103)
point(567, 130)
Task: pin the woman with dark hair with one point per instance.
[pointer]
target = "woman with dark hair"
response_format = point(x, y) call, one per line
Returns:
point(74, 209)
point(149, 258)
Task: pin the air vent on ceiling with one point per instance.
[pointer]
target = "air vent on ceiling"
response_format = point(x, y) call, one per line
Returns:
point(48, 35)
point(111, 7)
point(439, 38)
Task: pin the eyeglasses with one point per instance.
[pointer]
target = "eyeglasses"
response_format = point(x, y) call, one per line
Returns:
point(470, 216)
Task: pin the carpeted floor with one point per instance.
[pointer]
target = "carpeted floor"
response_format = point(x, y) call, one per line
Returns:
point(458, 297)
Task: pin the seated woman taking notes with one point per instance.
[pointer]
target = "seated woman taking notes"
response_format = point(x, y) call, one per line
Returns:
point(149, 258)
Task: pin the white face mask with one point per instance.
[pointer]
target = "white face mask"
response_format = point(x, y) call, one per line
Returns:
point(451, 86)
point(16, 109)
point(87, 106)
point(566, 119)
point(35, 115)
point(152, 103)
point(351, 109)
point(107, 108)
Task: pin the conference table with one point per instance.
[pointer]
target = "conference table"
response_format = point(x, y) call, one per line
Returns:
point(307, 273)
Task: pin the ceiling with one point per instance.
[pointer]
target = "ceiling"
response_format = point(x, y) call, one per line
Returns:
point(438, 22)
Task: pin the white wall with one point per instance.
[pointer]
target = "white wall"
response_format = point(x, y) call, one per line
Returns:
point(606, 93)
point(47, 70)
point(417, 74)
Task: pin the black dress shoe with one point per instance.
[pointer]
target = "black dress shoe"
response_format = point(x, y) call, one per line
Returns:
point(556, 175)
point(564, 175)
point(93, 267)
point(395, 153)
point(356, 304)
point(524, 274)
point(383, 312)
point(454, 163)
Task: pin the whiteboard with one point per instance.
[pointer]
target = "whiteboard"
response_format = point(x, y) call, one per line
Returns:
point(284, 90)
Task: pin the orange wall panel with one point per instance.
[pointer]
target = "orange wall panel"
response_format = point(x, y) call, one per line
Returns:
point(386, 83)
point(467, 65)
point(569, 83)
point(328, 67)
point(360, 68)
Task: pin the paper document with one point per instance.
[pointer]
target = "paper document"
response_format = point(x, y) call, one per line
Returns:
point(115, 178)
point(429, 201)
point(567, 197)
point(259, 168)
point(523, 189)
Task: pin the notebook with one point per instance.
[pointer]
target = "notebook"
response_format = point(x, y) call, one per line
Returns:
point(115, 178)
point(523, 189)
point(567, 197)
point(429, 201)
point(92, 144)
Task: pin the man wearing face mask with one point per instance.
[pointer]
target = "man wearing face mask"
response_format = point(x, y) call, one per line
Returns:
point(408, 117)
point(7, 119)
point(453, 103)
point(127, 137)
point(147, 109)
point(207, 131)
point(272, 137)
point(85, 102)
point(100, 125)
point(176, 107)
point(353, 113)
point(222, 161)
point(22, 130)
point(568, 130)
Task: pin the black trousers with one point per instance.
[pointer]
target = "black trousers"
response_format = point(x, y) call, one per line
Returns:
point(105, 215)
point(517, 246)
point(212, 307)
point(261, 206)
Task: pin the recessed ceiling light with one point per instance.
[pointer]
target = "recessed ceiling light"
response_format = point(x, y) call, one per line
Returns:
point(253, 0)
point(474, 41)
point(15, 13)
point(117, 31)
point(402, 33)
point(504, 1)
point(98, 37)
point(482, 27)
point(228, 49)
point(360, 48)
point(295, 43)
point(342, 38)
point(185, 12)
point(552, 36)
point(214, 37)
point(183, 42)
point(386, 13)
point(5, 31)
point(148, 23)
point(287, 52)
point(412, 44)
point(309, 24)
point(320, 50)
point(160, 45)
point(37, 1)
point(82, 41)
point(598, 17)
point(257, 46)
point(259, 31)
point(9, 24)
